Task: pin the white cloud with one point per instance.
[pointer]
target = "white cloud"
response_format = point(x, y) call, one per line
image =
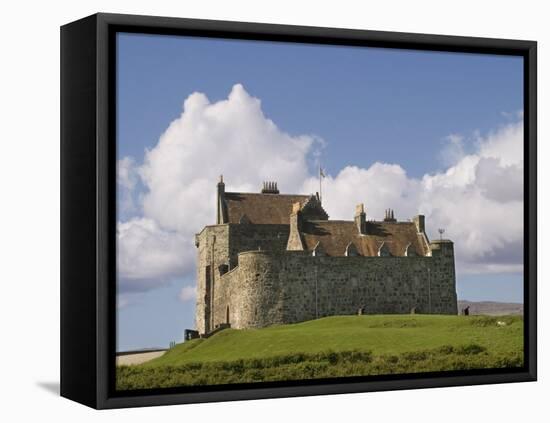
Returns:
point(127, 178)
point(498, 182)
point(126, 174)
point(188, 293)
point(453, 149)
point(379, 187)
point(231, 137)
point(505, 144)
point(148, 256)
point(477, 199)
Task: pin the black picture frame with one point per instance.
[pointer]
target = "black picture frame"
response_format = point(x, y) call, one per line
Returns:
point(88, 197)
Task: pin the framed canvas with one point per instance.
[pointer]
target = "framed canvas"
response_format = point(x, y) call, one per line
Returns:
point(259, 211)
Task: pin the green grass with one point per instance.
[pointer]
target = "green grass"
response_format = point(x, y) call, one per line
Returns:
point(334, 347)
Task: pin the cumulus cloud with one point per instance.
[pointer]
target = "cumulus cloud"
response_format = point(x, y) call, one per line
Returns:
point(499, 183)
point(188, 293)
point(453, 149)
point(232, 137)
point(148, 255)
point(504, 144)
point(477, 199)
point(127, 179)
point(379, 187)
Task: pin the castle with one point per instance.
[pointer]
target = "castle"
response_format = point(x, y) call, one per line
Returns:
point(275, 258)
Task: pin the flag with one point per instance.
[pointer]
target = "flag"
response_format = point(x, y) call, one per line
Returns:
point(321, 172)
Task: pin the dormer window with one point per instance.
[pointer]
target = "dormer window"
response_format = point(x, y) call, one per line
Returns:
point(223, 269)
point(318, 250)
point(351, 250)
point(384, 250)
point(410, 251)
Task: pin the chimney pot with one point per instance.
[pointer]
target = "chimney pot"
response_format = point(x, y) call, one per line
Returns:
point(269, 187)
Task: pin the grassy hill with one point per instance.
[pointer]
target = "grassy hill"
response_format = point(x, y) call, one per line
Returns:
point(336, 346)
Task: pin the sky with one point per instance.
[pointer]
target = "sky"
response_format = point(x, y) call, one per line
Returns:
point(435, 133)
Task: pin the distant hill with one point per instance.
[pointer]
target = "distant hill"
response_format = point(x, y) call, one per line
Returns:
point(491, 308)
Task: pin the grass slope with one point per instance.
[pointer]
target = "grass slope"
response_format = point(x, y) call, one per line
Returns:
point(333, 347)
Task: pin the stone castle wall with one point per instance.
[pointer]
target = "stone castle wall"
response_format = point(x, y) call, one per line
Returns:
point(272, 286)
point(213, 249)
point(218, 246)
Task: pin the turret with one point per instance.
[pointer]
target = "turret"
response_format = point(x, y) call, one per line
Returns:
point(442, 248)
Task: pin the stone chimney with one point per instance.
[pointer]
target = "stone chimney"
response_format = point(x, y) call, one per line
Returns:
point(295, 238)
point(419, 222)
point(270, 187)
point(361, 218)
point(388, 216)
point(221, 207)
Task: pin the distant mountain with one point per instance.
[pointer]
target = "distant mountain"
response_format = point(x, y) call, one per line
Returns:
point(490, 307)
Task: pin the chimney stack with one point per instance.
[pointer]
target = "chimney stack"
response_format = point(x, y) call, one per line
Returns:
point(389, 216)
point(420, 223)
point(270, 187)
point(221, 208)
point(295, 242)
point(361, 218)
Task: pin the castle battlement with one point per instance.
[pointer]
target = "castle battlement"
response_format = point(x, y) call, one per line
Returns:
point(276, 258)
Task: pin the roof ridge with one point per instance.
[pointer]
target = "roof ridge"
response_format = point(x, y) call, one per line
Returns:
point(332, 221)
point(385, 222)
point(267, 194)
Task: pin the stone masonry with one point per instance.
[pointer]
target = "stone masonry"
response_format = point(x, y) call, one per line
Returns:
point(273, 258)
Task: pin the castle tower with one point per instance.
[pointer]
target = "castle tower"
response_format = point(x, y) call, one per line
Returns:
point(443, 297)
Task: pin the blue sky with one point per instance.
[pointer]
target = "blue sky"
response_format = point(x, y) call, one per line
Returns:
point(368, 105)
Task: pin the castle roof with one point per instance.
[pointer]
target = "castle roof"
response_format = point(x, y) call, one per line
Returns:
point(258, 208)
point(334, 236)
point(312, 229)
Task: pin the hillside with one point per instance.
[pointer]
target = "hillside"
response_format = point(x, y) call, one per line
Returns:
point(336, 346)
